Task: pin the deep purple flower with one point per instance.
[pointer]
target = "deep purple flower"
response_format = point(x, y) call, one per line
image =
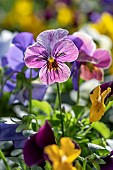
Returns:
point(49, 53)
point(34, 146)
point(109, 162)
point(8, 133)
point(92, 60)
point(15, 54)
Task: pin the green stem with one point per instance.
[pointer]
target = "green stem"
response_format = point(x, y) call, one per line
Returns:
point(30, 92)
point(4, 160)
point(78, 92)
point(59, 98)
point(84, 165)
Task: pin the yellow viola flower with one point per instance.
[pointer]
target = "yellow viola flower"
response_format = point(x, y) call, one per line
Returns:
point(63, 157)
point(105, 25)
point(98, 107)
point(64, 15)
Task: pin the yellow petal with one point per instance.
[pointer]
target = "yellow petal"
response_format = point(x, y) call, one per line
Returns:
point(97, 111)
point(104, 94)
point(53, 153)
point(64, 166)
point(95, 95)
point(69, 149)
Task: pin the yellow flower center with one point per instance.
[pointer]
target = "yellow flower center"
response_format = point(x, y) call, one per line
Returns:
point(52, 64)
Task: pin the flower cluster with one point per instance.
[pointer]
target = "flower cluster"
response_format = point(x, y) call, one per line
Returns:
point(60, 135)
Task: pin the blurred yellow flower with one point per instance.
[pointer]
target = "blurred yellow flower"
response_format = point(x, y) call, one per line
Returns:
point(98, 107)
point(63, 157)
point(64, 15)
point(105, 25)
point(22, 18)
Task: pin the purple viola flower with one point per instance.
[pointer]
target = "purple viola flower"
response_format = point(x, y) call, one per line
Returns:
point(15, 54)
point(92, 60)
point(33, 150)
point(109, 162)
point(38, 92)
point(8, 133)
point(49, 53)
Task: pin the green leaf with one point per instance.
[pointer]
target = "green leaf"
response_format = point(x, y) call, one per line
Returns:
point(78, 110)
point(41, 105)
point(22, 127)
point(98, 149)
point(36, 168)
point(102, 129)
point(96, 165)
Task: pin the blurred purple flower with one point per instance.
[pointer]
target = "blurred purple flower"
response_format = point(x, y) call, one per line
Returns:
point(15, 54)
point(8, 133)
point(49, 53)
point(34, 146)
point(109, 162)
point(38, 92)
point(92, 60)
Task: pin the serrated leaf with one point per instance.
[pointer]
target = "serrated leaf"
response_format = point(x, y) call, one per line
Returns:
point(42, 105)
point(102, 129)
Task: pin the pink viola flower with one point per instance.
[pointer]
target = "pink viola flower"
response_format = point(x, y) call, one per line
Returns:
point(92, 60)
point(49, 53)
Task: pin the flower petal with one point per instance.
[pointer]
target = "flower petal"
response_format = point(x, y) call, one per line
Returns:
point(75, 74)
point(15, 57)
point(97, 111)
point(23, 40)
point(35, 56)
point(87, 74)
point(51, 76)
point(77, 41)
point(102, 58)
point(65, 51)
point(42, 136)
point(88, 44)
point(50, 37)
point(32, 153)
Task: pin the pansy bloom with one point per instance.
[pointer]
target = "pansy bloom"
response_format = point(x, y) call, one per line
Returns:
point(92, 61)
point(49, 53)
point(33, 150)
point(63, 157)
point(98, 98)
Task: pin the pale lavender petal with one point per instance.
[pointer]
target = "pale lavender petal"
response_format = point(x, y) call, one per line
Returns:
point(102, 58)
point(65, 51)
point(23, 40)
point(88, 44)
point(59, 75)
point(15, 57)
point(50, 37)
point(35, 56)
